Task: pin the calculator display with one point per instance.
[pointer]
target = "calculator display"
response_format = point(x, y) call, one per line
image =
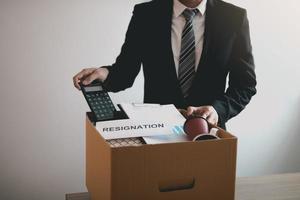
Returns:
point(93, 88)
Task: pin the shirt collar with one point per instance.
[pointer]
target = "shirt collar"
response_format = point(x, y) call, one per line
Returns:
point(178, 8)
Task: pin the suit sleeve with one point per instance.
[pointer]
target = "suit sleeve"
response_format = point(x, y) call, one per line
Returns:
point(127, 65)
point(242, 78)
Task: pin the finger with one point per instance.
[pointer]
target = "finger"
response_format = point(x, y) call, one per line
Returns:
point(190, 110)
point(90, 78)
point(212, 119)
point(205, 114)
point(80, 75)
point(84, 72)
point(76, 82)
point(202, 112)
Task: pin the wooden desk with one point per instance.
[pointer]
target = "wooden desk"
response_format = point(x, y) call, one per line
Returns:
point(274, 187)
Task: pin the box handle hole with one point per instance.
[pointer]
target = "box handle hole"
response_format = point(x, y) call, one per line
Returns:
point(177, 184)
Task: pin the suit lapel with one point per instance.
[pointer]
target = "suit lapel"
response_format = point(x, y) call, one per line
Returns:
point(209, 24)
point(166, 25)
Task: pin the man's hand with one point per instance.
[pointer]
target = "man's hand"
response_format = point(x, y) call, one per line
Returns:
point(207, 112)
point(88, 75)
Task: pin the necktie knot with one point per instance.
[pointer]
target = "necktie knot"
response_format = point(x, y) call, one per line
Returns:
point(189, 14)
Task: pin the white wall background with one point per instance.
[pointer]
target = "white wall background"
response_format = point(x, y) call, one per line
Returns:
point(44, 43)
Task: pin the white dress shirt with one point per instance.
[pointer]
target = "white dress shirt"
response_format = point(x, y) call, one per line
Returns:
point(178, 23)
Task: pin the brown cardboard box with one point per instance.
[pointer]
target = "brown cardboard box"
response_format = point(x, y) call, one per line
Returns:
point(189, 170)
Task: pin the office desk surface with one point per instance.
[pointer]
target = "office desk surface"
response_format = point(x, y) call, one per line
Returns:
point(273, 187)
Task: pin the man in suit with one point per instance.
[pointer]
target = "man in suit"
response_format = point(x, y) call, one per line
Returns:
point(187, 49)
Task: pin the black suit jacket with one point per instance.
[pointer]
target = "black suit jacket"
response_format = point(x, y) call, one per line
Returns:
point(227, 51)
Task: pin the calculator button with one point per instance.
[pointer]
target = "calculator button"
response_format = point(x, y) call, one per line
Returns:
point(101, 105)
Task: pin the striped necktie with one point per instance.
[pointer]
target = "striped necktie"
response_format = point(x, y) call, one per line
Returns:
point(187, 60)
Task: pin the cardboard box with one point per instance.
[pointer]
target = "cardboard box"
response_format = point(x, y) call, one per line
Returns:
point(176, 171)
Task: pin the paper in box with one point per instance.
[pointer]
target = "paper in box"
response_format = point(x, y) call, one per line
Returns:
point(174, 171)
point(143, 120)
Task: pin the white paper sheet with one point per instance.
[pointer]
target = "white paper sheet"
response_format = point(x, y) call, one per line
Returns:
point(178, 135)
point(144, 120)
point(132, 128)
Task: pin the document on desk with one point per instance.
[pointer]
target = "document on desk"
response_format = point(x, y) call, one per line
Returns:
point(144, 120)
